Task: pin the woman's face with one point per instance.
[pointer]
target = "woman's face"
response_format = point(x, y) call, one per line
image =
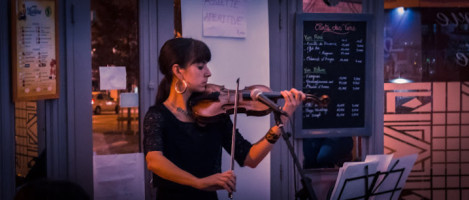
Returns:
point(196, 75)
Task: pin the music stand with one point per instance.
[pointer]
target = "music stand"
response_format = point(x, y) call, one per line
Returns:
point(379, 179)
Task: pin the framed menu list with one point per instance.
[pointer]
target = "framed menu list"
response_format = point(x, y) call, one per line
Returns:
point(34, 50)
point(332, 58)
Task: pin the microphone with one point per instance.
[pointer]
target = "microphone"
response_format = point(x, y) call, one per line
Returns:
point(271, 95)
point(257, 95)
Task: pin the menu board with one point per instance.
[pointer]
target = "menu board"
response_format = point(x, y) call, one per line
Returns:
point(332, 60)
point(35, 63)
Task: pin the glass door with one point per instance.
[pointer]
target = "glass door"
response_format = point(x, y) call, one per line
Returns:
point(118, 165)
point(115, 76)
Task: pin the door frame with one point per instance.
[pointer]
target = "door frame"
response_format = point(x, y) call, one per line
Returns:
point(7, 126)
point(155, 27)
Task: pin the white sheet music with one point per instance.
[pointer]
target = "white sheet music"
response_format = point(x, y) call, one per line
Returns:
point(384, 161)
point(389, 182)
point(391, 176)
point(345, 189)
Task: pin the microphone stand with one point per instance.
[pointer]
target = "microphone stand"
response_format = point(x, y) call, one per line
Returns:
point(307, 191)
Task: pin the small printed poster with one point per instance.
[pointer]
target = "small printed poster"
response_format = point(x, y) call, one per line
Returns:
point(35, 63)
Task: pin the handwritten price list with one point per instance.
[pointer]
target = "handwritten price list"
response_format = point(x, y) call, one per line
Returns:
point(334, 64)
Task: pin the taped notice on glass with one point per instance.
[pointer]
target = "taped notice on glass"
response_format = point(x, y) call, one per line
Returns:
point(112, 78)
point(129, 100)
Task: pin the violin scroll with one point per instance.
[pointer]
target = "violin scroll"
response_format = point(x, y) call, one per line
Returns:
point(321, 101)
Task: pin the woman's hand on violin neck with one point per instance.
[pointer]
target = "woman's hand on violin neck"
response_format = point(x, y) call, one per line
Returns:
point(293, 99)
point(225, 180)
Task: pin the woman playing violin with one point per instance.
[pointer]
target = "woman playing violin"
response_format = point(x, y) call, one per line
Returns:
point(184, 155)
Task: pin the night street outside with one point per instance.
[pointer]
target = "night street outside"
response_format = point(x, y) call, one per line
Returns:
point(111, 136)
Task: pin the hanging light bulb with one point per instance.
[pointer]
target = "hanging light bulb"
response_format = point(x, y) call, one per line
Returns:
point(400, 10)
point(400, 80)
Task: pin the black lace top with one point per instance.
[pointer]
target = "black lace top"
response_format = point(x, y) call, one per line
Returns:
point(191, 147)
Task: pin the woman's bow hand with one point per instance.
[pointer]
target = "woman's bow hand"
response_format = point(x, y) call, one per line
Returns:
point(219, 181)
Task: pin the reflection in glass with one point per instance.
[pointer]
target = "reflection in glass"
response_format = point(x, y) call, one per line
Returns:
point(114, 26)
point(430, 115)
point(330, 152)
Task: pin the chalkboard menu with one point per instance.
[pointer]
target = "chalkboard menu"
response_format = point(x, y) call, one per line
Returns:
point(332, 60)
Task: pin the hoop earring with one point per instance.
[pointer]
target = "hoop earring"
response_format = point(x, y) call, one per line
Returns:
point(177, 88)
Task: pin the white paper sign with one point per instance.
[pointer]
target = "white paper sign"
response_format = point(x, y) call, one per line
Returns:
point(119, 176)
point(224, 18)
point(129, 100)
point(112, 78)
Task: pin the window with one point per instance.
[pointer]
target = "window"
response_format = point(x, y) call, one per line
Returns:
point(114, 27)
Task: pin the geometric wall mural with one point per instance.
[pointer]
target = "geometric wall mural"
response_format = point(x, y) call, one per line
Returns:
point(25, 137)
point(430, 119)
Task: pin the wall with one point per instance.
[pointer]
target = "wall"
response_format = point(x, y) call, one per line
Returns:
point(248, 59)
point(7, 136)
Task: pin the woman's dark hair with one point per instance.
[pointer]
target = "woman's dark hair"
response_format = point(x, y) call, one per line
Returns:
point(181, 51)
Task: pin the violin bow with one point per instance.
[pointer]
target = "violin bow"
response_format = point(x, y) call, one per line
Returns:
point(233, 133)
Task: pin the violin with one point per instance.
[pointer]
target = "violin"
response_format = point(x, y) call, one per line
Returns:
point(210, 105)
